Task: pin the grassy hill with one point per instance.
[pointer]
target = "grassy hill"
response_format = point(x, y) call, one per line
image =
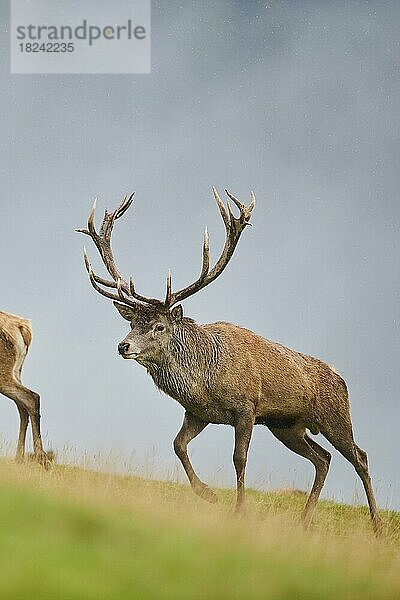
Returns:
point(72, 533)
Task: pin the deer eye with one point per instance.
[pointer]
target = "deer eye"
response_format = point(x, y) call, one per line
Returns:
point(160, 327)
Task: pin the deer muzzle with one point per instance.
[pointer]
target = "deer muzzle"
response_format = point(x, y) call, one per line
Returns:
point(128, 350)
point(123, 348)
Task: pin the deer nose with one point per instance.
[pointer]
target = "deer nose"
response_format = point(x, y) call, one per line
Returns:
point(123, 347)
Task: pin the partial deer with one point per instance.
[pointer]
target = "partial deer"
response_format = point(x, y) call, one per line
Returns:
point(223, 373)
point(15, 339)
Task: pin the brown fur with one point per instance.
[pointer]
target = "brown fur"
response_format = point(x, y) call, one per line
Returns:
point(15, 339)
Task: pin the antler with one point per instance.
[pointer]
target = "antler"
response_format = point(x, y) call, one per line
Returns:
point(102, 241)
point(126, 292)
point(234, 227)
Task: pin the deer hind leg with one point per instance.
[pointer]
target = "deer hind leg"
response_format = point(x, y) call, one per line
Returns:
point(340, 435)
point(296, 439)
point(23, 424)
point(191, 427)
point(28, 401)
point(23, 413)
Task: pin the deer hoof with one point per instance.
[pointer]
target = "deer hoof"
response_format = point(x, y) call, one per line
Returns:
point(206, 493)
point(46, 459)
point(240, 510)
point(378, 527)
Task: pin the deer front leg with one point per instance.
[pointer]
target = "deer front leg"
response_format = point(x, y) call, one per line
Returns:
point(191, 427)
point(243, 430)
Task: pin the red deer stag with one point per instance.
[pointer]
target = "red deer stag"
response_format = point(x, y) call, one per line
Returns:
point(15, 339)
point(222, 373)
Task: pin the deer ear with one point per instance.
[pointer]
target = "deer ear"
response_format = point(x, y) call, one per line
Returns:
point(177, 313)
point(125, 311)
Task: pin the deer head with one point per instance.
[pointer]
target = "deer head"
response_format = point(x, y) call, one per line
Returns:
point(152, 331)
point(154, 321)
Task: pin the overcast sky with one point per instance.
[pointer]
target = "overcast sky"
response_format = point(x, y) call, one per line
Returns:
point(296, 100)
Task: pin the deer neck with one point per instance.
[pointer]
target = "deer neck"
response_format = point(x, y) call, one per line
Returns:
point(189, 362)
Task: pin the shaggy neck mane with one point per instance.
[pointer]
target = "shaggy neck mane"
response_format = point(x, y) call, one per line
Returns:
point(192, 357)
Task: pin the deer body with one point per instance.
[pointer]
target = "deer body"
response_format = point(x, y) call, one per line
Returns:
point(225, 374)
point(15, 339)
point(219, 369)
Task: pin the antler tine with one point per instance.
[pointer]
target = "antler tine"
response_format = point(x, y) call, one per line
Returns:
point(86, 260)
point(253, 200)
point(93, 279)
point(91, 230)
point(121, 295)
point(125, 204)
point(221, 208)
point(245, 211)
point(206, 256)
point(139, 297)
point(234, 227)
point(91, 225)
point(235, 200)
point(169, 290)
point(105, 282)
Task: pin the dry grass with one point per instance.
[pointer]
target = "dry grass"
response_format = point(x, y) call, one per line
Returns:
point(88, 534)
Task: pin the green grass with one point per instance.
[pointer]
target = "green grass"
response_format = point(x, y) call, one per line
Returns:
point(73, 533)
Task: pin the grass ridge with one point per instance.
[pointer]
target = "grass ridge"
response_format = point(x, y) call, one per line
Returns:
point(74, 533)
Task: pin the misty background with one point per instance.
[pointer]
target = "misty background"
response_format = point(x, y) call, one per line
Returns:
point(298, 101)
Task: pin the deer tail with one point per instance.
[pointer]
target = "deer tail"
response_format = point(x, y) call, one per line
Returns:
point(26, 332)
